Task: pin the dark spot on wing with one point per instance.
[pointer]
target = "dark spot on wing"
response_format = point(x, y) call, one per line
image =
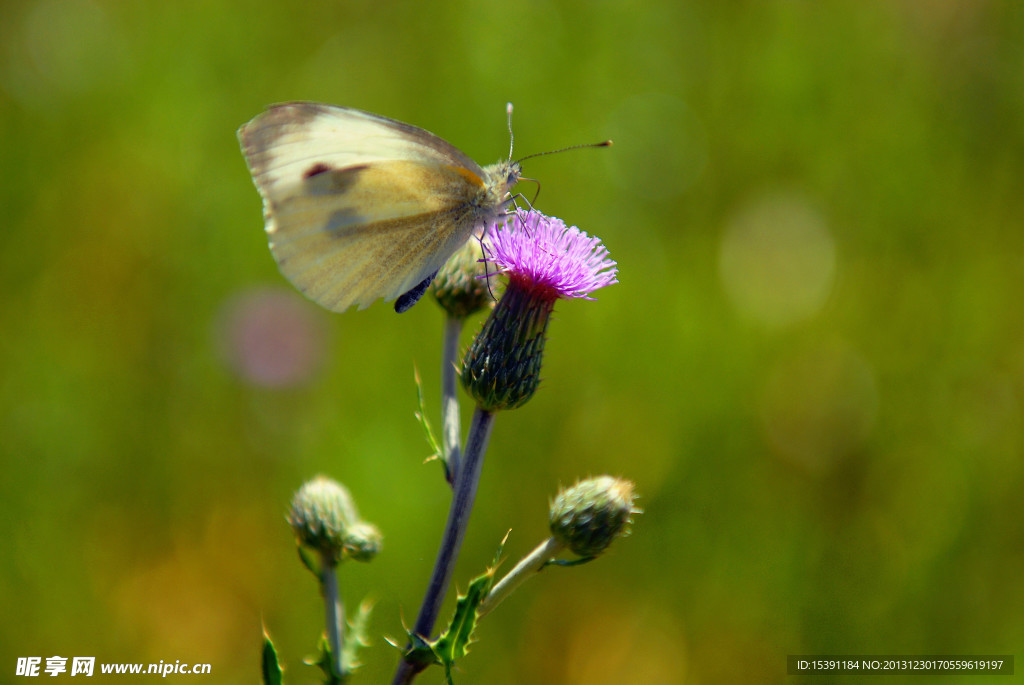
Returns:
point(323, 180)
point(339, 223)
point(316, 169)
point(407, 300)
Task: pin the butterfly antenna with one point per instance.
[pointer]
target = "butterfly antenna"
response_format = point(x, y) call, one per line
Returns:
point(511, 139)
point(604, 143)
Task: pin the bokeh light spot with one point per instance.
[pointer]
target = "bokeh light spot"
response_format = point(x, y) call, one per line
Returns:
point(271, 338)
point(777, 259)
point(66, 47)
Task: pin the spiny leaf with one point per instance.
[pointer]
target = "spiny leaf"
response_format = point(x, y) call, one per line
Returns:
point(501, 548)
point(421, 416)
point(418, 652)
point(272, 673)
point(454, 642)
point(355, 637)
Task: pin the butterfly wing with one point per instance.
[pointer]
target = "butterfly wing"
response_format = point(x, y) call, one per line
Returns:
point(357, 206)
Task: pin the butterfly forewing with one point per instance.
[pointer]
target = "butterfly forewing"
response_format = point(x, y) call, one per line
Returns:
point(360, 207)
point(286, 140)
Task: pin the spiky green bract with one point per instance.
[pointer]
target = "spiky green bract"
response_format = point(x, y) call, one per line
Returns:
point(271, 668)
point(322, 511)
point(458, 286)
point(592, 513)
point(501, 370)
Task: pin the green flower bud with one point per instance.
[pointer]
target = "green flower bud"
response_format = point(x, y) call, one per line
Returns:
point(362, 542)
point(322, 513)
point(457, 287)
point(592, 513)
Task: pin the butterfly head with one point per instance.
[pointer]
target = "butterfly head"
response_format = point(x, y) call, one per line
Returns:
point(503, 175)
point(498, 182)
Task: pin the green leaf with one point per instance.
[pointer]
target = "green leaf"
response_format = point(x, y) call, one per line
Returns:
point(325, 661)
point(453, 644)
point(272, 673)
point(435, 446)
point(355, 637)
point(419, 651)
point(307, 560)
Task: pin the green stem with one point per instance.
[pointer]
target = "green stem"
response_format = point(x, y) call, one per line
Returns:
point(454, 532)
point(530, 564)
point(334, 613)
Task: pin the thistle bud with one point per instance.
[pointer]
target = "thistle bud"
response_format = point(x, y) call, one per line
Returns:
point(459, 287)
point(592, 513)
point(324, 518)
point(362, 542)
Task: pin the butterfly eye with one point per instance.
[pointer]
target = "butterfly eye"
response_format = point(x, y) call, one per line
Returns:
point(513, 175)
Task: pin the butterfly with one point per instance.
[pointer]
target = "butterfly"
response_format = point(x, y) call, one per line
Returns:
point(359, 207)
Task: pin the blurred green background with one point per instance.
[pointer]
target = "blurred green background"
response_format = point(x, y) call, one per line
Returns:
point(813, 366)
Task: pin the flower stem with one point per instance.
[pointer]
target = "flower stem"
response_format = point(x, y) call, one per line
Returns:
point(454, 532)
point(334, 612)
point(528, 565)
point(450, 422)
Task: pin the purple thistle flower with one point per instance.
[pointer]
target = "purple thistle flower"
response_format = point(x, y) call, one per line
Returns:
point(540, 253)
point(545, 261)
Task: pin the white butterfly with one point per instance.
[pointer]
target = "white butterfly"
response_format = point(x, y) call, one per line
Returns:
point(360, 207)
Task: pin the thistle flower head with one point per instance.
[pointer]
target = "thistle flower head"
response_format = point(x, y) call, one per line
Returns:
point(543, 254)
point(588, 516)
point(545, 261)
